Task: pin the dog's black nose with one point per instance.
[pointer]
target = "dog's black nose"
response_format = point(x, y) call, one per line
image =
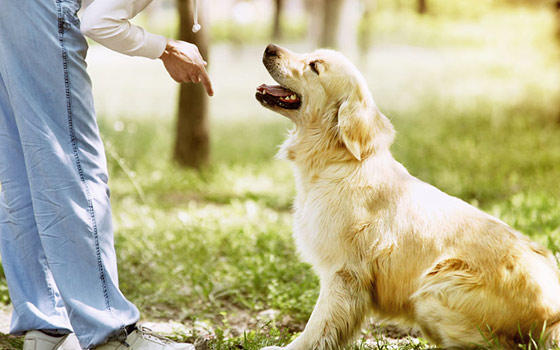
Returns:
point(271, 50)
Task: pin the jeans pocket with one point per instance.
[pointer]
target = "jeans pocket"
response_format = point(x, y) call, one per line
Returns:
point(69, 28)
point(69, 12)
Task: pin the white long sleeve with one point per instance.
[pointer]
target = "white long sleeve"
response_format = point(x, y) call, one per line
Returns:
point(108, 23)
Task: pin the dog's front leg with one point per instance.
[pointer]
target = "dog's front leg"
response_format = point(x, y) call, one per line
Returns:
point(343, 303)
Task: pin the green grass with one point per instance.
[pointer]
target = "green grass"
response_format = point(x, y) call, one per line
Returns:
point(9, 342)
point(476, 115)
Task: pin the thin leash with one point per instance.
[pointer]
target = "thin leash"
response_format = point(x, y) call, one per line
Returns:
point(196, 27)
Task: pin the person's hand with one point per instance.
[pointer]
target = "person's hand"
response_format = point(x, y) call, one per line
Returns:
point(185, 64)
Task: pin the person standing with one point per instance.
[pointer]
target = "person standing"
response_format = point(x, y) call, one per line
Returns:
point(56, 235)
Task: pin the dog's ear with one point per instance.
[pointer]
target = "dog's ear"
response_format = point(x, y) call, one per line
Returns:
point(362, 127)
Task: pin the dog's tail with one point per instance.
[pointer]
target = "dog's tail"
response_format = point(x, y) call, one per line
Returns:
point(553, 335)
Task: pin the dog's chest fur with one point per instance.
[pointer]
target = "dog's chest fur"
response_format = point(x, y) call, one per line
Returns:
point(319, 219)
point(336, 212)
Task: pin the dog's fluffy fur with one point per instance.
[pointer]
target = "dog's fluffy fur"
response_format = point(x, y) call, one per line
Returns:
point(386, 243)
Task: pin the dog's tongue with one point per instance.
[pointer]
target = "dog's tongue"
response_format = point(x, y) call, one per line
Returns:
point(275, 90)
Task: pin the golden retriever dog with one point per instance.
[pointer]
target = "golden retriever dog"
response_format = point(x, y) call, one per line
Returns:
point(387, 244)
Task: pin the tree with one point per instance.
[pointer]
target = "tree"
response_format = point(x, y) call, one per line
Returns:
point(192, 142)
point(557, 7)
point(557, 12)
point(330, 23)
point(277, 24)
point(422, 6)
point(365, 30)
point(314, 10)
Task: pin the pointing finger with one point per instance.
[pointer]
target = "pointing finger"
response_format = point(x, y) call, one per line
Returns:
point(206, 82)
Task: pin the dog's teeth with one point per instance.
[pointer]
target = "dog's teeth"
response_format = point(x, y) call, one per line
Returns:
point(293, 97)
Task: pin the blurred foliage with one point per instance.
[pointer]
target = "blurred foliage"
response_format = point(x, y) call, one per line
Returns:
point(237, 33)
point(4, 294)
point(295, 24)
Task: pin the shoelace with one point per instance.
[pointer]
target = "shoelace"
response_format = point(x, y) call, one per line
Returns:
point(148, 334)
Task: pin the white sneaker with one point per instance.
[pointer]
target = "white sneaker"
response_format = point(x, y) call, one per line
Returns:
point(71, 343)
point(36, 340)
point(143, 339)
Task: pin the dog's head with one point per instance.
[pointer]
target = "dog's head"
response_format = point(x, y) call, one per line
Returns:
point(327, 98)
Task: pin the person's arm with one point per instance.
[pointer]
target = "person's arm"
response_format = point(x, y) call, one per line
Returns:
point(108, 23)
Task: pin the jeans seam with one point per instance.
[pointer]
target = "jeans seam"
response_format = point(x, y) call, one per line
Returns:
point(75, 151)
point(49, 285)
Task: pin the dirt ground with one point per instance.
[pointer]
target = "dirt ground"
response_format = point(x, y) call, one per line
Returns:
point(5, 313)
point(393, 335)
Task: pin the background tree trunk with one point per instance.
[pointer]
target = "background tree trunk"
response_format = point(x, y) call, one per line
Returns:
point(422, 6)
point(314, 16)
point(277, 24)
point(192, 143)
point(557, 12)
point(330, 23)
point(365, 32)
point(557, 8)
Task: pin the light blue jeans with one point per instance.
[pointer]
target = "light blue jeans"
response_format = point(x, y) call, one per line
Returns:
point(56, 238)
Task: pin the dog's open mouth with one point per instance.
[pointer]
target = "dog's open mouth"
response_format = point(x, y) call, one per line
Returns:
point(276, 95)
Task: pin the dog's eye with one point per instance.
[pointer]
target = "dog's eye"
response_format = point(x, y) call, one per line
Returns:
point(313, 66)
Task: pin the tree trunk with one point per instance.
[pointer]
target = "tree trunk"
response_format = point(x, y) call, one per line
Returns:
point(422, 6)
point(365, 32)
point(192, 143)
point(277, 24)
point(332, 10)
point(557, 12)
point(314, 12)
point(557, 7)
